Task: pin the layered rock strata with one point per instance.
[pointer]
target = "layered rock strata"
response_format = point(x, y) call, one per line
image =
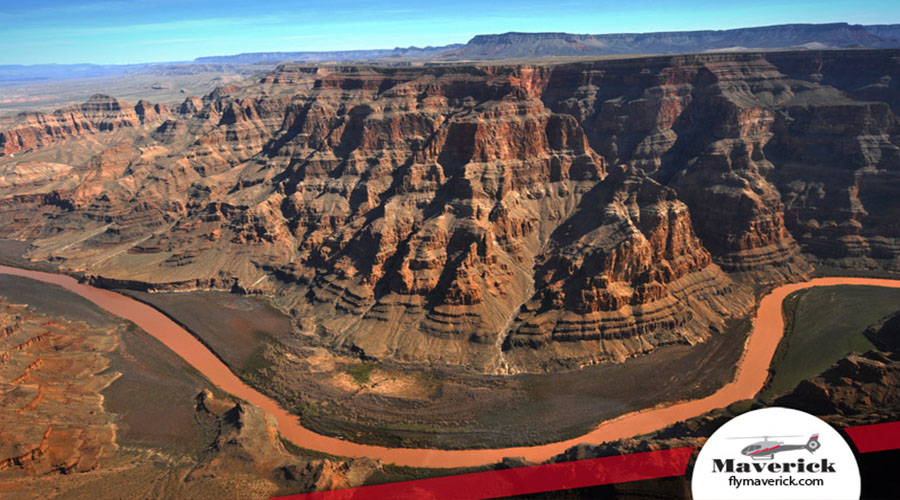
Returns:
point(51, 375)
point(499, 218)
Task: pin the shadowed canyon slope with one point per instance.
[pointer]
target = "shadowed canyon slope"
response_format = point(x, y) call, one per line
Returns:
point(504, 218)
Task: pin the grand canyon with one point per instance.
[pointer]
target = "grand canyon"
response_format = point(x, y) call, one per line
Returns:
point(410, 243)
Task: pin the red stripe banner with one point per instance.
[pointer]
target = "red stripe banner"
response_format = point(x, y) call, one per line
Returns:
point(522, 480)
point(568, 475)
point(875, 437)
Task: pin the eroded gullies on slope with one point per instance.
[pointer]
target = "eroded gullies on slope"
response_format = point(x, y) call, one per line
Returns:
point(430, 215)
point(409, 213)
point(569, 214)
point(51, 374)
point(80, 394)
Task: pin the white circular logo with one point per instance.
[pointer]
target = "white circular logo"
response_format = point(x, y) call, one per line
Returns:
point(776, 453)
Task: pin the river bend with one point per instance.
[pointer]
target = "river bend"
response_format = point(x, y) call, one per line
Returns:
point(751, 375)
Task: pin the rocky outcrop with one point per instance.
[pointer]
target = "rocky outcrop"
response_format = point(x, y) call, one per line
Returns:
point(623, 275)
point(859, 389)
point(100, 113)
point(57, 385)
point(885, 334)
point(700, 125)
point(51, 375)
point(246, 442)
point(499, 218)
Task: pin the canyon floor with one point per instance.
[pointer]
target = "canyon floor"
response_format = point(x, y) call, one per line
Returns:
point(400, 406)
point(190, 441)
point(393, 405)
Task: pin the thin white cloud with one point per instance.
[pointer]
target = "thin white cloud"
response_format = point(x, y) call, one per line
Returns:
point(176, 40)
point(221, 22)
point(69, 8)
point(300, 37)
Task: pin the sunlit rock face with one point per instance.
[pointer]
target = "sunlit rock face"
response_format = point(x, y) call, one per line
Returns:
point(495, 218)
point(52, 372)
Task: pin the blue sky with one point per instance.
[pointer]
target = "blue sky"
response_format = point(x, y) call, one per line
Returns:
point(115, 31)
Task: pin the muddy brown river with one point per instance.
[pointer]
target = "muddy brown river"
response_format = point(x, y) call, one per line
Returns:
point(768, 327)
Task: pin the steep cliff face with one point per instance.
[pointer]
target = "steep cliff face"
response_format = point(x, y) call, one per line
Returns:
point(838, 158)
point(842, 210)
point(533, 45)
point(101, 113)
point(498, 218)
point(622, 275)
point(701, 125)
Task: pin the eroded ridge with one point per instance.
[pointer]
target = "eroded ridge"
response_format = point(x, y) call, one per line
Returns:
point(51, 374)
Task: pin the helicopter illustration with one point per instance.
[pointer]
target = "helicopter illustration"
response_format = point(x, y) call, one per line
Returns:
point(766, 449)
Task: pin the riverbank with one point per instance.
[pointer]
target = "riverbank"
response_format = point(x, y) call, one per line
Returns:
point(751, 376)
point(403, 406)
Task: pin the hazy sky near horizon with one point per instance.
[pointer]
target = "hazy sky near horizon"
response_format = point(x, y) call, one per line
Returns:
point(122, 31)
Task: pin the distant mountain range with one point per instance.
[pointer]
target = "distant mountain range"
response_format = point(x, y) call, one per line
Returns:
point(331, 56)
point(785, 36)
point(532, 45)
point(521, 45)
point(15, 74)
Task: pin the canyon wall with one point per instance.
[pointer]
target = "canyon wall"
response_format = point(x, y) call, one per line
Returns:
point(498, 218)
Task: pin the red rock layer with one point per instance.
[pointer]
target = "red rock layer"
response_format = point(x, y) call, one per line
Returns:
point(498, 218)
point(700, 124)
point(51, 375)
point(623, 275)
point(29, 131)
